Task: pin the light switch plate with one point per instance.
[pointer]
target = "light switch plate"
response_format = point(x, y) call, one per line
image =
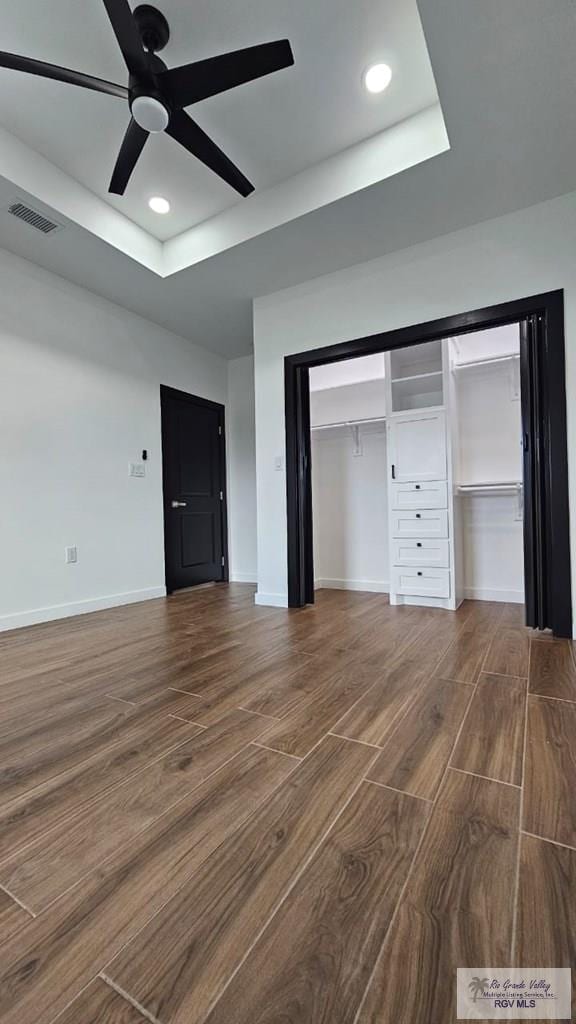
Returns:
point(136, 469)
point(71, 554)
point(278, 463)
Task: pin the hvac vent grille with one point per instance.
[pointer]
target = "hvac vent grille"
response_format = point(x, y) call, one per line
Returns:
point(33, 218)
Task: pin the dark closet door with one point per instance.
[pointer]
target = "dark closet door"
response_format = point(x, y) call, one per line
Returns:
point(194, 489)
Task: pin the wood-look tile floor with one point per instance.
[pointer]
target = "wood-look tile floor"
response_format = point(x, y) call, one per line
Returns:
point(213, 813)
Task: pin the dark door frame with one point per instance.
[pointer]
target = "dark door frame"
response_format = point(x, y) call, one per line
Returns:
point(166, 393)
point(544, 423)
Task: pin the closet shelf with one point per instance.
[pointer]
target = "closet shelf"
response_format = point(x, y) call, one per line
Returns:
point(417, 376)
point(486, 362)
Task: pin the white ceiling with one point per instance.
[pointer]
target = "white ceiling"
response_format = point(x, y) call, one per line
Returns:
point(506, 82)
point(272, 128)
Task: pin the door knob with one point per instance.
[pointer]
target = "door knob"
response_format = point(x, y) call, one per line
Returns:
point(178, 504)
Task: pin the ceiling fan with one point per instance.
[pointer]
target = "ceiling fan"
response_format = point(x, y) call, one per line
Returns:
point(157, 95)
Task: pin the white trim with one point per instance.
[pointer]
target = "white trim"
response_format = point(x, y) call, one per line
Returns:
point(370, 586)
point(243, 577)
point(418, 138)
point(272, 600)
point(483, 594)
point(65, 611)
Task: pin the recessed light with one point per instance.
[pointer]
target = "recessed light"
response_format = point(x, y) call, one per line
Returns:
point(159, 204)
point(377, 77)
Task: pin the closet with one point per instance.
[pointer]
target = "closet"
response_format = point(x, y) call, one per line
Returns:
point(417, 471)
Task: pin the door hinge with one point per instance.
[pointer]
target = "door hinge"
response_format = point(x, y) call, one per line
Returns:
point(221, 495)
point(220, 431)
point(223, 560)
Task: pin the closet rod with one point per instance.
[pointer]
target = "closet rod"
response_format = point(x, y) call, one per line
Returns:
point(348, 423)
point(510, 486)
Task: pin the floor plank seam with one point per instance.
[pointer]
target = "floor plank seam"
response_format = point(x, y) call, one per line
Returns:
point(547, 839)
point(504, 675)
point(487, 778)
point(187, 721)
point(547, 696)
point(449, 679)
point(396, 720)
point(129, 999)
point(401, 792)
point(5, 889)
point(77, 995)
point(350, 739)
point(130, 703)
point(298, 874)
point(187, 693)
point(273, 750)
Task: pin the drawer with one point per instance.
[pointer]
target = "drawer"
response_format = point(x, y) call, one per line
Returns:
point(427, 523)
point(426, 494)
point(421, 552)
point(423, 582)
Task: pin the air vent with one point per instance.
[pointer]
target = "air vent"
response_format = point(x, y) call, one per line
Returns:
point(33, 218)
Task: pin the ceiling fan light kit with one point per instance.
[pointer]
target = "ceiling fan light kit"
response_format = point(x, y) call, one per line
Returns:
point(158, 95)
point(150, 113)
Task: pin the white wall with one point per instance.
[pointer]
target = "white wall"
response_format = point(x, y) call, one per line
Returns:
point(79, 399)
point(489, 425)
point(350, 508)
point(497, 261)
point(241, 459)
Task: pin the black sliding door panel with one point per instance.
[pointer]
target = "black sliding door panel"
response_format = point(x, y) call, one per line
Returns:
point(534, 526)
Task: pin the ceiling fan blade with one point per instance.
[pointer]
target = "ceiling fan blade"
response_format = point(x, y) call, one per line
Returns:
point(185, 131)
point(130, 150)
point(40, 67)
point(193, 82)
point(128, 36)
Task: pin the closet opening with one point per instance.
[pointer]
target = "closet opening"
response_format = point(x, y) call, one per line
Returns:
point(430, 464)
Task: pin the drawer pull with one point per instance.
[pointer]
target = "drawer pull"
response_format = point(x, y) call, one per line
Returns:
point(418, 516)
point(419, 574)
point(418, 543)
point(417, 487)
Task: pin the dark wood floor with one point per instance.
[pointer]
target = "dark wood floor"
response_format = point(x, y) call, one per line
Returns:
point(213, 812)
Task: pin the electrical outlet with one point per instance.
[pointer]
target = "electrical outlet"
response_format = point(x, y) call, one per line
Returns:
point(71, 554)
point(136, 469)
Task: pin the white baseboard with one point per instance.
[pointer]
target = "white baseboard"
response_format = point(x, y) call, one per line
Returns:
point(272, 600)
point(65, 611)
point(484, 594)
point(243, 577)
point(369, 586)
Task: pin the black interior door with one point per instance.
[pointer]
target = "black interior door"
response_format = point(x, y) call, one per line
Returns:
point(194, 489)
